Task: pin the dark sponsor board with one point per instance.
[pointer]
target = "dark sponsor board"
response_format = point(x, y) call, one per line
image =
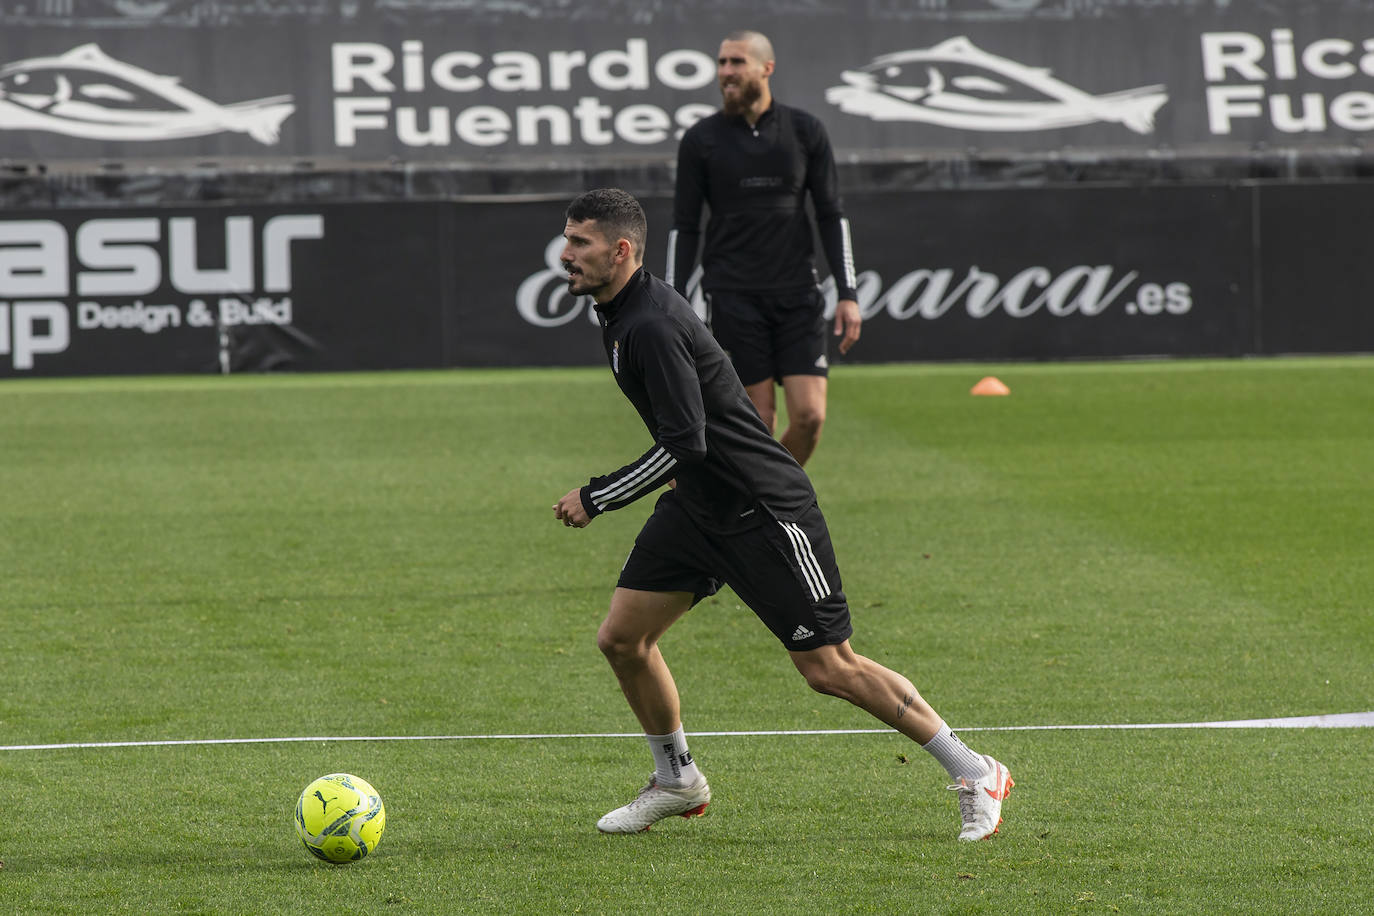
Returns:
point(1049, 274)
point(1315, 269)
point(1067, 273)
point(1033, 274)
point(498, 85)
point(226, 288)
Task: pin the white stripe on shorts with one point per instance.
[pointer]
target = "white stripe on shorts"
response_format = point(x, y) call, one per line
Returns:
point(806, 559)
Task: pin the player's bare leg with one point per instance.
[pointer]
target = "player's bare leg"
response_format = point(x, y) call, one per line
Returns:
point(629, 637)
point(981, 781)
point(805, 399)
point(765, 402)
point(881, 692)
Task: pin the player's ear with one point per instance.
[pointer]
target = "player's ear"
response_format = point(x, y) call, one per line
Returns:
point(624, 250)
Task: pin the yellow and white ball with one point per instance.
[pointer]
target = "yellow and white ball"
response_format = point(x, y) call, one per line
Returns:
point(340, 818)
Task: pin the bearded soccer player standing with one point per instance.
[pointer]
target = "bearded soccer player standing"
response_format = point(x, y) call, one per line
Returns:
point(754, 163)
point(742, 513)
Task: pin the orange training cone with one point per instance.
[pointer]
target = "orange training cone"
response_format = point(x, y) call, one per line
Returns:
point(990, 386)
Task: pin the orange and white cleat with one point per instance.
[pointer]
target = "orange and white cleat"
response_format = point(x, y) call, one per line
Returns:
point(654, 803)
point(980, 801)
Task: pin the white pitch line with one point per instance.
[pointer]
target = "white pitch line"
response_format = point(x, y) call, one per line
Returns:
point(1339, 720)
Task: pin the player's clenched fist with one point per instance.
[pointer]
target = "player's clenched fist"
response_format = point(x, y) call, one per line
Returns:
point(570, 512)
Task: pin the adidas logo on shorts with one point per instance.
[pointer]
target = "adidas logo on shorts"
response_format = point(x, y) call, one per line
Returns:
point(802, 633)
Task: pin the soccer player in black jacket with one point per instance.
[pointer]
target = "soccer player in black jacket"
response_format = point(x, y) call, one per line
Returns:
point(753, 163)
point(740, 512)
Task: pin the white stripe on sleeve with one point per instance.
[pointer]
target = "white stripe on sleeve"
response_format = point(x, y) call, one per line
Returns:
point(851, 279)
point(636, 481)
point(670, 271)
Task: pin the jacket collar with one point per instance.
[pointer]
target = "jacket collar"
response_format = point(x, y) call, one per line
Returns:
point(637, 279)
point(768, 114)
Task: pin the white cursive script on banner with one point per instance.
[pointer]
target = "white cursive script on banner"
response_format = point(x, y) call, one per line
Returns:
point(926, 293)
point(543, 300)
point(1085, 290)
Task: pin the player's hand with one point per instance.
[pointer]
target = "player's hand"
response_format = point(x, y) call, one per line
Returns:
point(847, 322)
point(570, 511)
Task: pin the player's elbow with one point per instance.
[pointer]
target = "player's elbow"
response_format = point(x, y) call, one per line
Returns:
point(690, 455)
point(688, 449)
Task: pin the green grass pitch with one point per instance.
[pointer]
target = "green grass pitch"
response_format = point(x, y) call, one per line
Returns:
point(375, 555)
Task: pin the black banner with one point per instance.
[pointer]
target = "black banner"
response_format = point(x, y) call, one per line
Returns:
point(500, 83)
point(1315, 269)
point(219, 289)
point(1065, 273)
point(1032, 274)
point(1052, 274)
point(513, 307)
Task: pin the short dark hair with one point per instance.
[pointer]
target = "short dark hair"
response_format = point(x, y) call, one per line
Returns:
point(758, 42)
point(617, 212)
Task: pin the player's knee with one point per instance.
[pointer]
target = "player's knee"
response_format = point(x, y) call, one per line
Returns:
point(808, 419)
point(620, 648)
point(768, 416)
point(610, 643)
point(830, 680)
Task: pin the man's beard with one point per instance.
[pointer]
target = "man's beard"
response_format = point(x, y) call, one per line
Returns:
point(591, 282)
point(749, 92)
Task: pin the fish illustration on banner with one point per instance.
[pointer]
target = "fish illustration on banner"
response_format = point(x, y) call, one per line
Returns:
point(956, 84)
point(86, 93)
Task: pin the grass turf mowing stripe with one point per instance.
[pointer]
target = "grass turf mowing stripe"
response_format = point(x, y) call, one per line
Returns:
point(1336, 720)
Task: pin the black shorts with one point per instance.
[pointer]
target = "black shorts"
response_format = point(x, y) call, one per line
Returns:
point(770, 335)
point(784, 571)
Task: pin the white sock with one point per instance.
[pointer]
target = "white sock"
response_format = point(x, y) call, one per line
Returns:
point(673, 764)
point(955, 756)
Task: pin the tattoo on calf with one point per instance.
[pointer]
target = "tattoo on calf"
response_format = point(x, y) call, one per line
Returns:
point(906, 704)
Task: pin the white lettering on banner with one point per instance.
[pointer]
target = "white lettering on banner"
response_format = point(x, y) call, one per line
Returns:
point(1245, 65)
point(33, 258)
point(123, 266)
point(123, 257)
point(147, 318)
point(375, 69)
point(233, 312)
point(38, 327)
point(187, 275)
point(124, 262)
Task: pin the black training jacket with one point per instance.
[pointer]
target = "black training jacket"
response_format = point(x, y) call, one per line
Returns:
point(755, 181)
point(706, 433)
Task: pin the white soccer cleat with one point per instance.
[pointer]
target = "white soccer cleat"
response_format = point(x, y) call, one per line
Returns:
point(980, 801)
point(654, 803)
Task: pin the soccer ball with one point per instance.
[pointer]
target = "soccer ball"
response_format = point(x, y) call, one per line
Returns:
point(340, 818)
